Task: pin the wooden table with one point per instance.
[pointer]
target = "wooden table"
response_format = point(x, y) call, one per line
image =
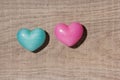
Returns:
point(97, 58)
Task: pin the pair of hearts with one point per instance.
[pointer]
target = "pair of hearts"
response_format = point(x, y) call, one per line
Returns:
point(33, 39)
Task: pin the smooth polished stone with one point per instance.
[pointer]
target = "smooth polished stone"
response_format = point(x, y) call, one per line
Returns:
point(31, 39)
point(69, 35)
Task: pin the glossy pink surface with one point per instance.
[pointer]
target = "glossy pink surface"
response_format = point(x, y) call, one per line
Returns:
point(69, 35)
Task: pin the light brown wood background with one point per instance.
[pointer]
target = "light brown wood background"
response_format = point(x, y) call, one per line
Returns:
point(97, 58)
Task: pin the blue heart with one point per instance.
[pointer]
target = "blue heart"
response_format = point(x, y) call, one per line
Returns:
point(31, 39)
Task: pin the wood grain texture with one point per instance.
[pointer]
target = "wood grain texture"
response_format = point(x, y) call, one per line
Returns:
point(97, 58)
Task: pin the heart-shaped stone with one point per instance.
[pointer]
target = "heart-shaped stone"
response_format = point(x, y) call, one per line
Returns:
point(31, 39)
point(69, 35)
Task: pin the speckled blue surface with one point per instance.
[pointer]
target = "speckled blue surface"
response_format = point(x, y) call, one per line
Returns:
point(31, 39)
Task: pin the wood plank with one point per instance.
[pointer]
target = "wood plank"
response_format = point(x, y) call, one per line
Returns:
point(97, 58)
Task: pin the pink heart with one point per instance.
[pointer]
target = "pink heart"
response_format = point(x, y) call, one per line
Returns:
point(69, 35)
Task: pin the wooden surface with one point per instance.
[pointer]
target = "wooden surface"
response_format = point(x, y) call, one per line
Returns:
point(97, 58)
